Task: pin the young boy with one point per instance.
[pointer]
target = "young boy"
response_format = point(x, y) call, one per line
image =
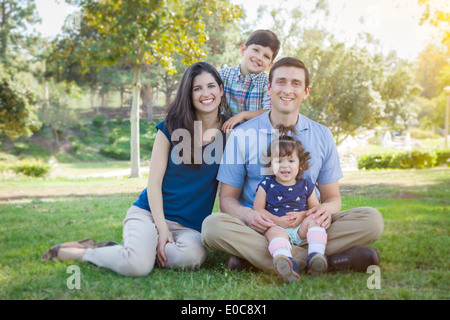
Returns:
point(245, 86)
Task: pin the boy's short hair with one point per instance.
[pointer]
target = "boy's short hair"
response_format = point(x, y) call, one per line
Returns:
point(290, 62)
point(265, 38)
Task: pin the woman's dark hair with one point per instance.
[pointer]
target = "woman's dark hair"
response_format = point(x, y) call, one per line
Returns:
point(180, 114)
point(287, 145)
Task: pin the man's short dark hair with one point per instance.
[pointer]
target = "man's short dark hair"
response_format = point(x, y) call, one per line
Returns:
point(265, 38)
point(290, 62)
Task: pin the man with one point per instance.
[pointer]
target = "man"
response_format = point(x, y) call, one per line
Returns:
point(239, 229)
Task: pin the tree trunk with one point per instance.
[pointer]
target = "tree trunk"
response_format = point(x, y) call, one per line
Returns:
point(46, 96)
point(102, 99)
point(92, 97)
point(168, 95)
point(56, 137)
point(134, 119)
point(122, 96)
point(146, 95)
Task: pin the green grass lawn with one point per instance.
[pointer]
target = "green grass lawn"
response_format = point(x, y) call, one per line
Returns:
point(414, 248)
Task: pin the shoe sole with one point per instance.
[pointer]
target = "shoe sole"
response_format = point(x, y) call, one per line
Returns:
point(317, 265)
point(283, 268)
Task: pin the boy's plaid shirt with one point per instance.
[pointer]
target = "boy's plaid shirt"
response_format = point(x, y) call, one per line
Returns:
point(245, 94)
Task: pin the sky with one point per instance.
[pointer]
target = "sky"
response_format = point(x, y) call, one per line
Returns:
point(394, 22)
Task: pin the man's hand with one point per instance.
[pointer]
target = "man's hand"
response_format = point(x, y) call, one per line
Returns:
point(257, 221)
point(321, 215)
point(331, 203)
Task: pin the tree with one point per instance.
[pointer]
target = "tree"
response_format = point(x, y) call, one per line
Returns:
point(14, 17)
point(344, 95)
point(399, 94)
point(146, 32)
point(18, 115)
point(17, 107)
point(437, 12)
point(352, 86)
point(433, 69)
point(224, 37)
point(428, 68)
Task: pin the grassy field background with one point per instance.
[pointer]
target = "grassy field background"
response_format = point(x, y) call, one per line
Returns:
point(36, 214)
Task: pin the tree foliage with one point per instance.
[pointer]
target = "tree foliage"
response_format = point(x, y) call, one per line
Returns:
point(437, 12)
point(352, 86)
point(17, 101)
point(344, 92)
point(148, 32)
point(430, 63)
point(17, 107)
point(14, 17)
point(143, 32)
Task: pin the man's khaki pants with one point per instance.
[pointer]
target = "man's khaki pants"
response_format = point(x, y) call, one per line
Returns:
point(223, 232)
point(138, 254)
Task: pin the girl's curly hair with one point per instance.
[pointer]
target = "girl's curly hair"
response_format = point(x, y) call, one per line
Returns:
point(286, 146)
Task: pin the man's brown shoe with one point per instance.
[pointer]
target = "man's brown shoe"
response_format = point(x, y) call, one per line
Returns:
point(358, 258)
point(239, 264)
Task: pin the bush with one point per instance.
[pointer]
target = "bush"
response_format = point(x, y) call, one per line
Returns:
point(114, 135)
point(3, 166)
point(417, 159)
point(114, 152)
point(20, 148)
point(414, 159)
point(119, 120)
point(7, 157)
point(417, 133)
point(147, 144)
point(30, 150)
point(98, 121)
point(31, 169)
point(85, 131)
point(443, 157)
point(76, 145)
point(374, 161)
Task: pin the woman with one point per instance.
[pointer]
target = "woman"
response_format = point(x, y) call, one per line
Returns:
point(164, 223)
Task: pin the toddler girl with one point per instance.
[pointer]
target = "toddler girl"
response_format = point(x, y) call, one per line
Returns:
point(285, 197)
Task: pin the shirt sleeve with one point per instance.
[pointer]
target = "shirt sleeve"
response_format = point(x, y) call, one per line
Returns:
point(232, 167)
point(264, 183)
point(221, 73)
point(266, 102)
point(310, 187)
point(162, 126)
point(331, 168)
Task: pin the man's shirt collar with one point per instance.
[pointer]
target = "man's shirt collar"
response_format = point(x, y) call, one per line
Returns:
point(302, 122)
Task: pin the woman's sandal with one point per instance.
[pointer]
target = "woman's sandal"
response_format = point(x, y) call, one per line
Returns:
point(106, 243)
point(82, 244)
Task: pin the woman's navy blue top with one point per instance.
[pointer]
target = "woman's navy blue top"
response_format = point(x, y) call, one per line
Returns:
point(188, 191)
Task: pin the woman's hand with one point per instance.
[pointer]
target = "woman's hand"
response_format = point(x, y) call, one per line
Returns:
point(163, 238)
